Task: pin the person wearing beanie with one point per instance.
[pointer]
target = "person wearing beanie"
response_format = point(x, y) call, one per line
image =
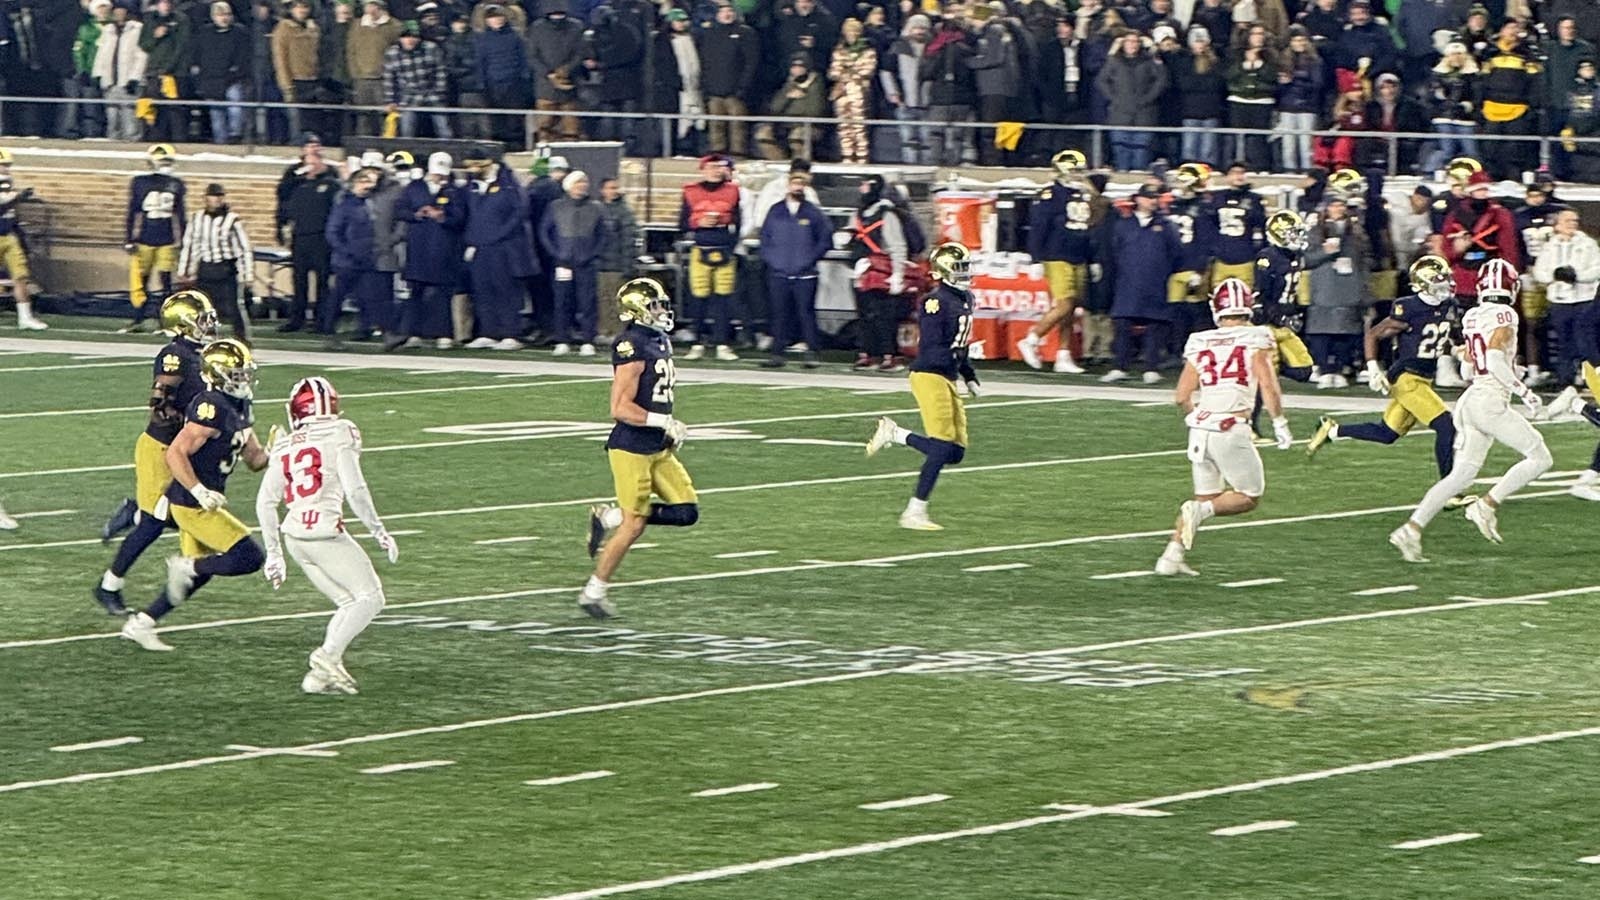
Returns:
point(1477, 33)
point(906, 89)
point(851, 71)
point(803, 95)
point(435, 213)
point(1510, 87)
point(1202, 87)
point(555, 54)
point(415, 78)
point(573, 236)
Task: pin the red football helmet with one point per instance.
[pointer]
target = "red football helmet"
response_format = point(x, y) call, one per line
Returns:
point(312, 398)
point(1231, 298)
point(1497, 282)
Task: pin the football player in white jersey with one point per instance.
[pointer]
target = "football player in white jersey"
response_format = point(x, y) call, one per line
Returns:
point(1223, 369)
point(1484, 415)
point(314, 470)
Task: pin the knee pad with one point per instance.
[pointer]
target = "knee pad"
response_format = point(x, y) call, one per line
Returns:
point(678, 515)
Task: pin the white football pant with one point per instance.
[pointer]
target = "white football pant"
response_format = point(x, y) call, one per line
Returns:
point(1484, 417)
point(1226, 458)
point(341, 570)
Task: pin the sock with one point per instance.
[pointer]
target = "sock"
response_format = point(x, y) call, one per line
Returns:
point(902, 436)
point(595, 587)
point(1376, 432)
point(242, 558)
point(916, 506)
point(1444, 443)
point(1208, 510)
point(1591, 413)
point(161, 607)
point(349, 621)
point(1174, 551)
point(24, 311)
point(929, 475)
point(611, 517)
point(133, 546)
point(1333, 433)
point(110, 582)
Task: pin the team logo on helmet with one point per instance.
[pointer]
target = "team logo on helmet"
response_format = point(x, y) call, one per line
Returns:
point(228, 366)
point(951, 263)
point(1458, 170)
point(1497, 282)
point(645, 302)
point(1192, 176)
point(1432, 280)
point(189, 314)
point(1232, 298)
point(311, 398)
point(1066, 162)
point(1287, 230)
point(1346, 183)
point(162, 156)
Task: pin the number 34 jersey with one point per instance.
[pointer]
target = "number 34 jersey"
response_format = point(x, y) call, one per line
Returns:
point(1222, 357)
point(312, 471)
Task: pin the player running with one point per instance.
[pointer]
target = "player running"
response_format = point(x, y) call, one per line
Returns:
point(1423, 324)
point(216, 434)
point(643, 445)
point(944, 319)
point(1279, 268)
point(188, 317)
point(314, 470)
point(1224, 370)
point(1484, 415)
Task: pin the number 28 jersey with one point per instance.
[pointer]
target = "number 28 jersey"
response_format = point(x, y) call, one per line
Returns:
point(655, 391)
point(1222, 358)
point(312, 470)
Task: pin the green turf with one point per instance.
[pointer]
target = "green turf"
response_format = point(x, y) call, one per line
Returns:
point(1194, 696)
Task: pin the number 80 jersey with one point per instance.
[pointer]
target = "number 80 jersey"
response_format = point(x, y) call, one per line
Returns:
point(1222, 359)
point(312, 470)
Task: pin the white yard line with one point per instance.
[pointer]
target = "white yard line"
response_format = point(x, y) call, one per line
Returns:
point(1381, 591)
point(815, 442)
point(998, 567)
point(914, 840)
point(904, 802)
point(98, 745)
point(408, 766)
point(1109, 810)
point(1423, 843)
point(1591, 860)
point(85, 542)
point(77, 365)
point(745, 554)
point(736, 789)
point(1252, 582)
point(569, 779)
point(1134, 573)
point(313, 754)
point(1254, 827)
point(43, 515)
point(509, 540)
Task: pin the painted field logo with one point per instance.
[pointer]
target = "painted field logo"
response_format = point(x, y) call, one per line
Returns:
point(814, 656)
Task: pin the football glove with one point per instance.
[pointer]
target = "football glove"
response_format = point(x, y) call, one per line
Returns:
point(1280, 432)
point(677, 433)
point(275, 570)
point(209, 500)
point(469, 254)
point(1531, 402)
point(387, 542)
point(972, 390)
point(1376, 379)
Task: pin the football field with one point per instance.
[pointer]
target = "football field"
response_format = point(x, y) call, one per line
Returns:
point(800, 700)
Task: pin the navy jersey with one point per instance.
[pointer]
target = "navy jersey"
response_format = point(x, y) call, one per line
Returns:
point(215, 459)
point(944, 322)
point(640, 344)
point(1535, 225)
point(1196, 222)
point(1278, 273)
point(1240, 220)
point(181, 357)
point(1427, 335)
point(1059, 225)
point(155, 210)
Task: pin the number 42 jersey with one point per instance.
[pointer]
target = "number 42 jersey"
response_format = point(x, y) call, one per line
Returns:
point(313, 470)
point(1228, 386)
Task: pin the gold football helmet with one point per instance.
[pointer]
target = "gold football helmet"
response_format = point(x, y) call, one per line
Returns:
point(1192, 176)
point(1067, 162)
point(228, 366)
point(400, 160)
point(1346, 183)
point(1432, 279)
point(1287, 230)
point(189, 314)
point(951, 263)
point(162, 156)
point(1458, 170)
point(645, 302)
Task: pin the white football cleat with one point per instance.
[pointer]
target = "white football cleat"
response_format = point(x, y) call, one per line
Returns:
point(1170, 567)
point(1585, 492)
point(444, 344)
point(726, 354)
point(1340, 382)
point(180, 578)
point(31, 324)
point(1029, 348)
point(1566, 403)
point(508, 344)
point(330, 673)
point(596, 606)
point(561, 350)
point(1409, 542)
point(585, 349)
point(1113, 376)
point(6, 522)
point(141, 629)
point(918, 521)
point(1065, 365)
point(481, 343)
point(882, 437)
point(1152, 378)
point(1188, 523)
point(1481, 514)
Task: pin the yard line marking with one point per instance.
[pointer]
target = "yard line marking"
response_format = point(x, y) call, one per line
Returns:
point(745, 554)
point(84, 542)
point(569, 779)
point(1152, 403)
point(1545, 595)
point(736, 789)
point(80, 365)
point(1591, 860)
point(45, 514)
point(1252, 582)
point(825, 564)
point(1380, 591)
point(922, 800)
point(79, 470)
point(408, 767)
point(1422, 843)
point(509, 540)
point(98, 745)
point(999, 567)
point(813, 442)
point(914, 840)
point(788, 387)
point(1253, 827)
point(1109, 810)
point(1135, 573)
point(317, 754)
point(643, 545)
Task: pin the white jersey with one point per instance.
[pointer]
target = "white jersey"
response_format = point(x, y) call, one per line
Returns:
point(1223, 357)
point(1477, 327)
point(313, 471)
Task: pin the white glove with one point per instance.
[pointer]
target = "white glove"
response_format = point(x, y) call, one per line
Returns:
point(1376, 379)
point(972, 390)
point(1096, 271)
point(1194, 281)
point(471, 252)
point(563, 273)
point(209, 500)
point(387, 542)
point(677, 433)
point(861, 267)
point(897, 283)
point(275, 570)
point(1532, 403)
point(1280, 431)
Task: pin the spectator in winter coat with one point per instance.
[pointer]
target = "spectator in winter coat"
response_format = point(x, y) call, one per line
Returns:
point(1216, 17)
point(435, 213)
point(573, 235)
point(1062, 83)
point(1301, 99)
point(165, 42)
point(1452, 94)
point(1392, 111)
point(1144, 250)
point(852, 69)
point(1132, 82)
point(1477, 230)
point(619, 250)
point(119, 68)
point(795, 235)
point(998, 71)
point(729, 51)
point(1580, 11)
point(1337, 260)
point(1366, 44)
point(1583, 120)
point(1569, 268)
point(555, 54)
point(502, 62)
point(499, 254)
point(333, 68)
point(295, 44)
point(676, 87)
point(220, 62)
point(1197, 78)
point(906, 89)
point(1416, 21)
point(84, 120)
point(1322, 22)
point(880, 251)
point(1561, 67)
point(1511, 89)
point(466, 82)
point(807, 28)
point(355, 242)
point(1477, 34)
point(616, 63)
point(801, 97)
point(1349, 114)
point(1252, 88)
point(369, 39)
point(415, 78)
point(952, 94)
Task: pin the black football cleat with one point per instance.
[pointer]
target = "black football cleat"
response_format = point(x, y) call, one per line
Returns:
point(597, 530)
point(111, 600)
point(120, 521)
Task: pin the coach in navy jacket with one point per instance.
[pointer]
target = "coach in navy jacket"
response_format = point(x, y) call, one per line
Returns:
point(573, 234)
point(435, 213)
point(352, 237)
point(499, 254)
point(1145, 248)
point(794, 238)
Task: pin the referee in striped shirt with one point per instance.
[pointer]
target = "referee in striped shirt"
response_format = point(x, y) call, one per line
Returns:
point(216, 258)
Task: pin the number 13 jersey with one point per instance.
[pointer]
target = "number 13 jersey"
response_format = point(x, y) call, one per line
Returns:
point(312, 470)
point(1222, 358)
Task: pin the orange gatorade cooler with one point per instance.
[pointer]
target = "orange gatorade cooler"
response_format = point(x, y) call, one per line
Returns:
point(966, 218)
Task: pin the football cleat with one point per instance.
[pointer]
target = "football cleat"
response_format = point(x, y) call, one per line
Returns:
point(111, 600)
point(882, 437)
point(30, 323)
point(1170, 567)
point(1324, 434)
point(1585, 492)
point(597, 527)
point(1481, 514)
point(331, 673)
point(1029, 348)
point(120, 521)
point(141, 629)
point(481, 343)
point(6, 522)
point(1566, 403)
point(918, 521)
point(1188, 523)
point(180, 578)
point(1409, 542)
point(726, 354)
point(1152, 378)
point(697, 351)
point(596, 606)
point(1460, 500)
point(1065, 365)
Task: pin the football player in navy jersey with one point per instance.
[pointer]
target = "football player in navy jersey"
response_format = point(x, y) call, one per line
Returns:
point(1191, 213)
point(1279, 268)
point(644, 442)
point(175, 382)
point(216, 434)
point(153, 229)
point(1061, 237)
point(1241, 217)
point(944, 319)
